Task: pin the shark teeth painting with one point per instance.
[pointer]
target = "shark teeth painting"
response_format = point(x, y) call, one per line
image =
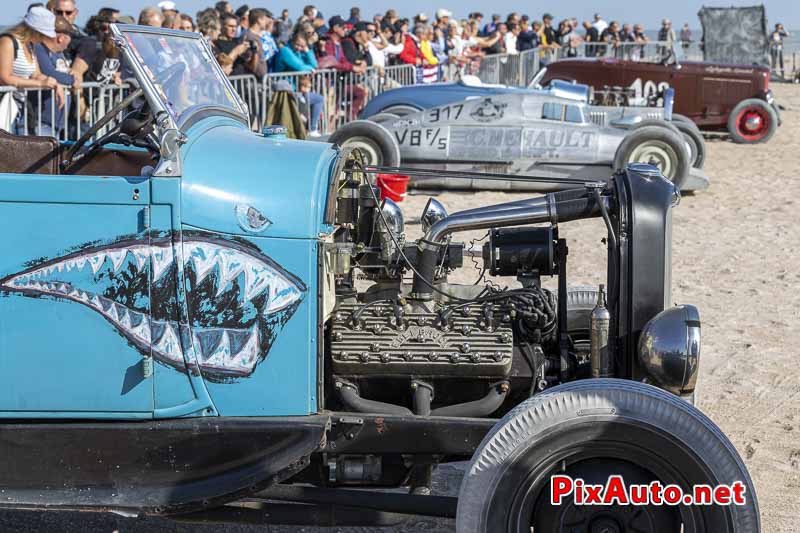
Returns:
point(236, 298)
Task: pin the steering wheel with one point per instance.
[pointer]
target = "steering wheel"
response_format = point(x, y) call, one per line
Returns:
point(73, 150)
point(79, 148)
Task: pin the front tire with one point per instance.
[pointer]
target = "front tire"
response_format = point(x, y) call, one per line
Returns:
point(593, 429)
point(659, 146)
point(697, 145)
point(682, 118)
point(752, 121)
point(376, 142)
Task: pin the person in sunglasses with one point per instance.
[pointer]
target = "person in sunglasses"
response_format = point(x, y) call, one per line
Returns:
point(82, 48)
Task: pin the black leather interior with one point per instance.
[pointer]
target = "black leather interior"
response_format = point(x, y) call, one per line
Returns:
point(28, 154)
point(113, 162)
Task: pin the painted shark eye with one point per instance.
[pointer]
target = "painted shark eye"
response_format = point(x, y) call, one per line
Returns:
point(251, 219)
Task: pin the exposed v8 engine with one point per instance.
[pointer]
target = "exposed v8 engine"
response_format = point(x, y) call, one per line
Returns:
point(427, 346)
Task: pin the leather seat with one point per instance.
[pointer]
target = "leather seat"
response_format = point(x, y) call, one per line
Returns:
point(28, 154)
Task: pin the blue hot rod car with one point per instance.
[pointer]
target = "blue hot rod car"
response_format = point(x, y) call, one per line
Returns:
point(203, 322)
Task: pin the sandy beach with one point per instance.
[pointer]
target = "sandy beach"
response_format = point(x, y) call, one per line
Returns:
point(735, 256)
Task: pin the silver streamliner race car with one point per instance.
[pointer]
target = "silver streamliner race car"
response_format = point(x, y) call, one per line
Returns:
point(551, 133)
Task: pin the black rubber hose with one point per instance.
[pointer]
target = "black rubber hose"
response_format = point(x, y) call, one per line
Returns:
point(577, 209)
point(350, 397)
point(479, 408)
point(426, 266)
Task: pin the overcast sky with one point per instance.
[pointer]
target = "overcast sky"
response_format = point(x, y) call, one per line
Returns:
point(646, 12)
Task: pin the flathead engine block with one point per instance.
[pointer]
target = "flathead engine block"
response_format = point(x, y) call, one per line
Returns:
point(388, 339)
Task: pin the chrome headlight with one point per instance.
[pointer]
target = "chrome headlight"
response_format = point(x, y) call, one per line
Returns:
point(669, 348)
point(393, 216)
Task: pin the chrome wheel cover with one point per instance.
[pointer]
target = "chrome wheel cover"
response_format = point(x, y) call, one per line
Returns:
point(658, 154)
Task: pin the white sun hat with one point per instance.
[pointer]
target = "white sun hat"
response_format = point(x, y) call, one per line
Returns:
point(167, 5)
point(41, 20)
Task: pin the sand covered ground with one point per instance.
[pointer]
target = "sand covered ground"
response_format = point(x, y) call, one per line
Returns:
point(736, 255)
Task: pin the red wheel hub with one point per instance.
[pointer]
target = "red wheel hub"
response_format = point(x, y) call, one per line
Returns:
point(752, 123)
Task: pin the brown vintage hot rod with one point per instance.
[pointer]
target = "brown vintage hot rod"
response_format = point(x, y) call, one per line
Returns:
point(717, 97)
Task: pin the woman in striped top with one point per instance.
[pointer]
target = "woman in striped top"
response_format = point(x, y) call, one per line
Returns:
point(18, 66)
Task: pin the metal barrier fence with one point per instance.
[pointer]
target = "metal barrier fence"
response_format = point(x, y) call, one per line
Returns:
point(327, 98)
point(249, 90)
point(38, 112)
point(337, 96)
point(519, 69)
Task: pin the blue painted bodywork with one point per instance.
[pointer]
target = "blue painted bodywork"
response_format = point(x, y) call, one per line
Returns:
point(433, 95)
point(225, 165)
point(132, 297)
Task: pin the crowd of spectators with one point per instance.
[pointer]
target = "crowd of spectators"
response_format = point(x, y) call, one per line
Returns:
point(49, 50)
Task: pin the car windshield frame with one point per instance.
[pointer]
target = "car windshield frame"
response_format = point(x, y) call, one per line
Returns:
point(155, 93)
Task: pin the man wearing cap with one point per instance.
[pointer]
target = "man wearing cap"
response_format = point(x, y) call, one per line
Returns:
point(340, 56)
point(50, 53)
point(547, 29)
point(443, 17)
point(168, 8)
point(356, 45)
point(334, 49)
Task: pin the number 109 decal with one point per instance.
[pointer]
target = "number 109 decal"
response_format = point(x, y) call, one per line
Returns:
point(648, 89)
